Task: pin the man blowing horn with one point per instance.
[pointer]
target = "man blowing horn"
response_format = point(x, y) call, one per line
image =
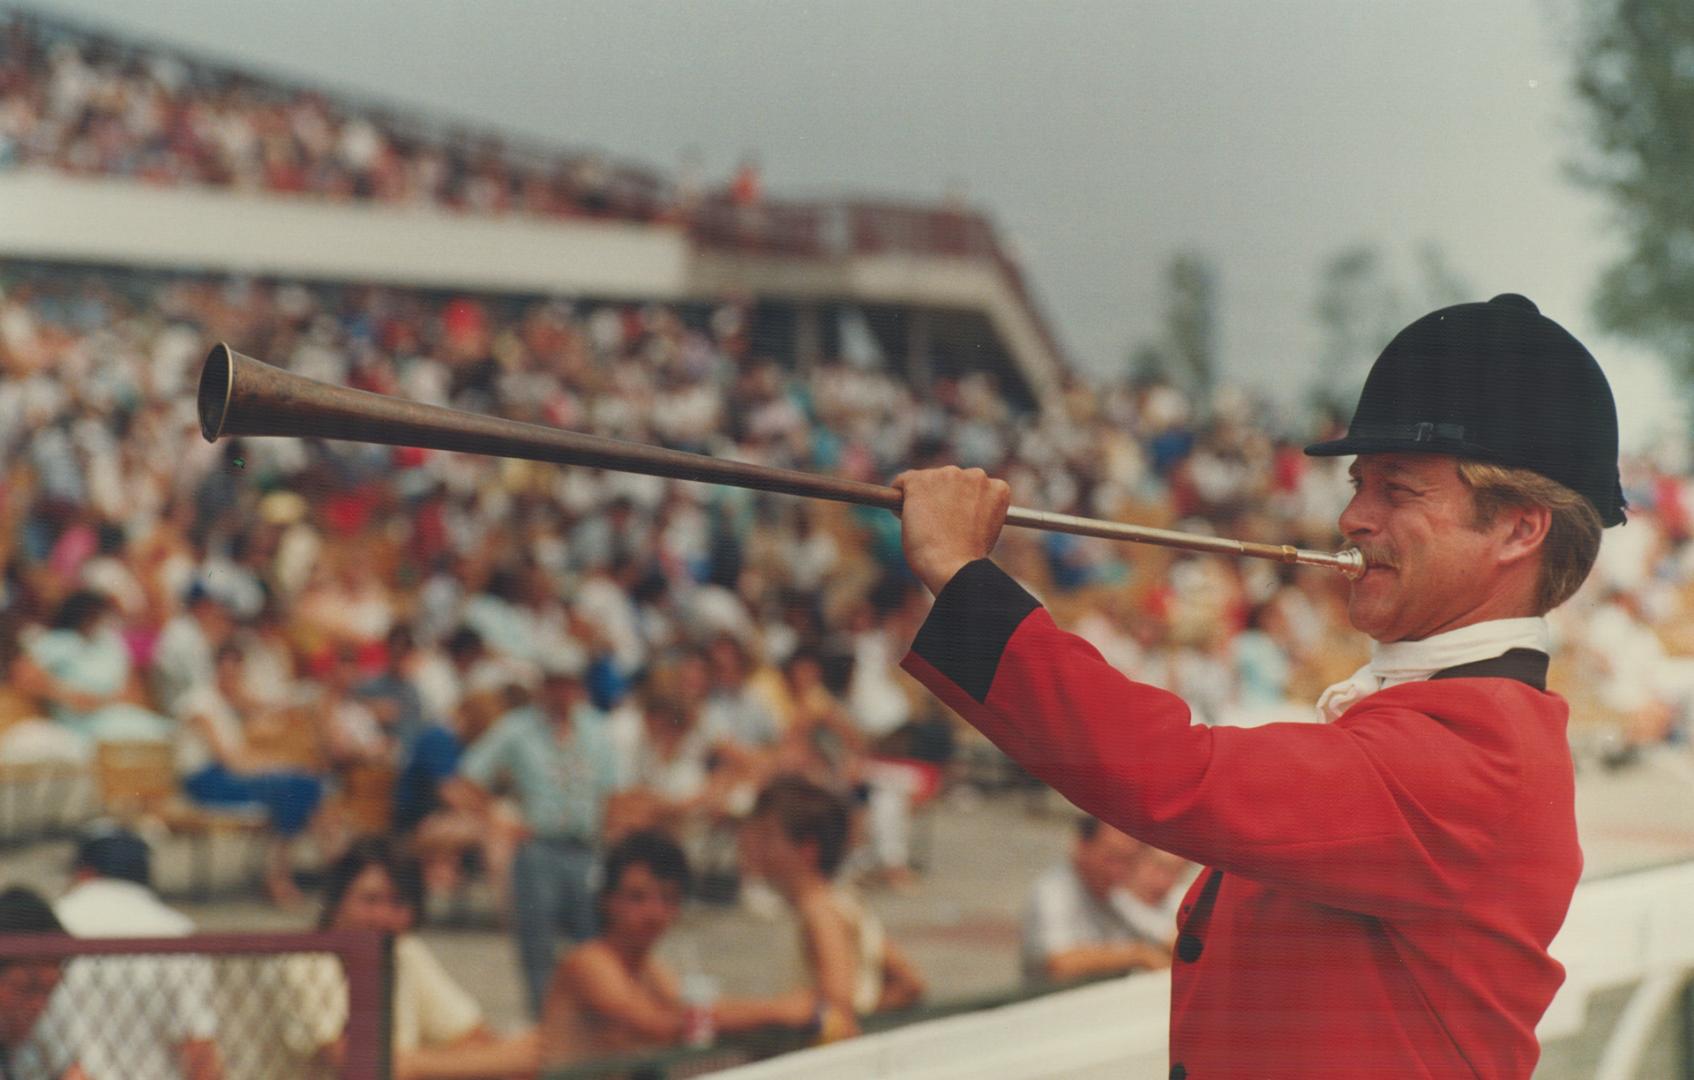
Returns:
point(1381, 888)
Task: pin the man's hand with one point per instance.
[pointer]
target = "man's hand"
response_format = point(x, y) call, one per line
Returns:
point(949, 517)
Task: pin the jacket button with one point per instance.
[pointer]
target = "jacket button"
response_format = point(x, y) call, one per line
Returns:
point(1188, 947)
point(1178, 1072)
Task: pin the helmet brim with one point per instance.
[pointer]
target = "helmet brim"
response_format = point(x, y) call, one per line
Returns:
point(1376, 445)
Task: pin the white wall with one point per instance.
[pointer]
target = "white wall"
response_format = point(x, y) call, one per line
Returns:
point(49, 216)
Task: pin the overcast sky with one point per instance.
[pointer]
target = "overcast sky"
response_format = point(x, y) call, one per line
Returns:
point(1103, 136)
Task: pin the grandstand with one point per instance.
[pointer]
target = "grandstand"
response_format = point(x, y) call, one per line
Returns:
point(153, 202)
point(218, 151)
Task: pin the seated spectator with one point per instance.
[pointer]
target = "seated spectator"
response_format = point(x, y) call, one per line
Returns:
point(353, 733)
point(823, 744)
point(182, 659)
point(220, 768)
point(736, 722)
point(1263, 660)
point(1639, 679)
point(738, 717)
point(81, 671)
point(798, 832)
point(427, 752)
point(270, 672)
point(438, 1030)
point(479, 682)
point(345, 602)
point(162, 1010)
point(611, 995)
point(1084, 919)
point(671, 785)
point(1154, 896)
point(820, 740)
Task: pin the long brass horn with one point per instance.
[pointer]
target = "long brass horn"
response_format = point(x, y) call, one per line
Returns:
point(239, 395)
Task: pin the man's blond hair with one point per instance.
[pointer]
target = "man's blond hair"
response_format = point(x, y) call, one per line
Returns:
point(1573, 537)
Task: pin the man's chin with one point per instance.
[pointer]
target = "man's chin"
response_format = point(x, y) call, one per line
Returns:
point(1368, 619)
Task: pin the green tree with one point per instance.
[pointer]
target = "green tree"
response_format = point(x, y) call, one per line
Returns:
point(1191, 317)
point(1358, 309)
point(1186, 350)
point(1635, 78)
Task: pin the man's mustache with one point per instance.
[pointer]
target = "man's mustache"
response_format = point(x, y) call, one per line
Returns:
point(1375, 558)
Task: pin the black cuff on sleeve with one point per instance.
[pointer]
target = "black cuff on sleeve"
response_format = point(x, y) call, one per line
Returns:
point(974, 616)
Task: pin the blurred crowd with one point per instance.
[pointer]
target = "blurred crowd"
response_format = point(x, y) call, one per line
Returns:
point(599, 693)
point(88, 104)
point(509, 668)
point(152, 578)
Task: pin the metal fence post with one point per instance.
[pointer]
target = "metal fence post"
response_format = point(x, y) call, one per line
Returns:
point(370, 1000)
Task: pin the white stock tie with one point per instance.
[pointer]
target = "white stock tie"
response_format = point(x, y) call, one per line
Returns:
point(1411, 661)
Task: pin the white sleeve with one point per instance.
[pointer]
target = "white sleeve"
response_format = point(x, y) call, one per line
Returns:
point(1051, 925)
point(1156, 924)
point(441, 1010)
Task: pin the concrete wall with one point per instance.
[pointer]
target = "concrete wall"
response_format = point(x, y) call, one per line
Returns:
point(48, 216)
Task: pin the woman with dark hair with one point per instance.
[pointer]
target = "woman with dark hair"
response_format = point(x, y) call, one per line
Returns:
point(81, 673)
point(438, 1030)
point(611, 995)
point(27, 984)
point(373, 886)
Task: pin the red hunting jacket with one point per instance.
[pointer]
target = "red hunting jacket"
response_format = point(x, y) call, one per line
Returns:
point(1380, 891)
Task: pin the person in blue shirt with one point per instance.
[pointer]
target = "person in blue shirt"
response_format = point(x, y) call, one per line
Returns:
point(560, 766)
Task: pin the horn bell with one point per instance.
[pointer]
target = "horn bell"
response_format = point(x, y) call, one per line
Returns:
point(217, 383)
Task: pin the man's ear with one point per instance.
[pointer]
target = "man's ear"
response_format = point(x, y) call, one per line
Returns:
point(1527, 526)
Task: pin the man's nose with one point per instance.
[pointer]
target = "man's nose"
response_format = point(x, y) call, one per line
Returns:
point(1357, 519)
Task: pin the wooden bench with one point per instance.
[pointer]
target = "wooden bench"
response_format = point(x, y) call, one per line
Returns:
point(137, 785)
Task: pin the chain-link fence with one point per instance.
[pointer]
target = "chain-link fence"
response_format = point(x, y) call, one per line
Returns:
point(235, 1006)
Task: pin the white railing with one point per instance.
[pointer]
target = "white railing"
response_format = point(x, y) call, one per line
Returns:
point(1633, 928)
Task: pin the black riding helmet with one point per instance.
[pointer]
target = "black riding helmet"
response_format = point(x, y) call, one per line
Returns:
point(1497, 382)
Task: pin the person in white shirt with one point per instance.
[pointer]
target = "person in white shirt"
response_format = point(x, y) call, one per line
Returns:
point(1640, 680)
point(438, 1029)
point(183, 658)
point(158, 1010)
point(220, 768)
point(1108, 909)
